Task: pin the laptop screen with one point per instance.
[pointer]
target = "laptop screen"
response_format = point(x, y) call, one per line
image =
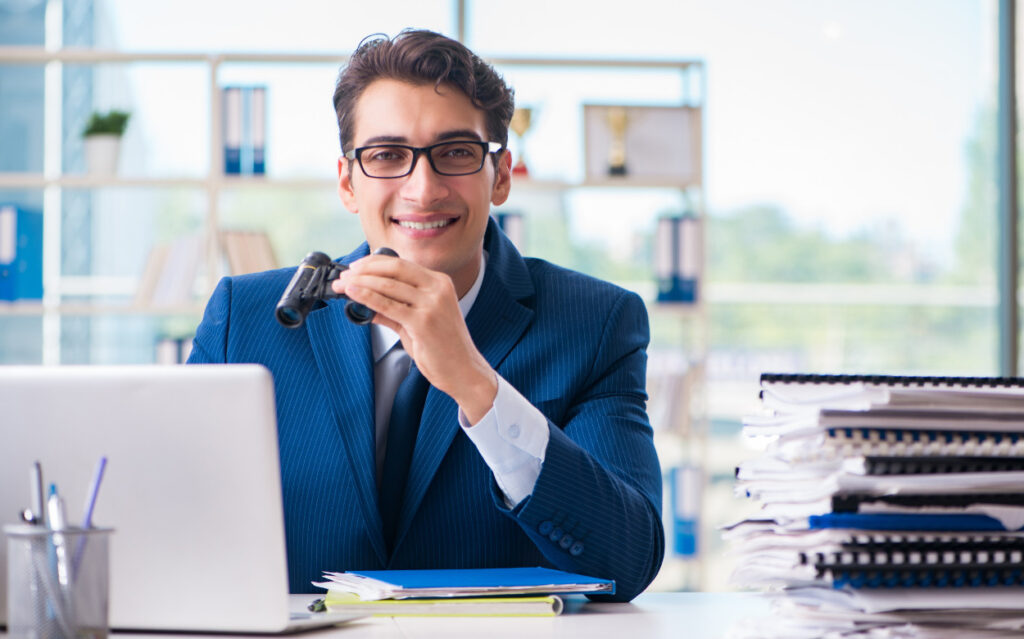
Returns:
point(191, 487)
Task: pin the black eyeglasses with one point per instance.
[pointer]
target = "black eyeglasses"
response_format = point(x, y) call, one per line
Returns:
point(459, 157)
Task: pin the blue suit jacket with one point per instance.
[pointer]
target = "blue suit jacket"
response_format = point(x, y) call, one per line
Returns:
point(573, 345)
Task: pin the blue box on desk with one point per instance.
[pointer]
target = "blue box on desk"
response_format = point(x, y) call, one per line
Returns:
point(21, 253)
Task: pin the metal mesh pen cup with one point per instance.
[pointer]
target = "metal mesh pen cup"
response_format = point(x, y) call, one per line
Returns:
point(57, 582)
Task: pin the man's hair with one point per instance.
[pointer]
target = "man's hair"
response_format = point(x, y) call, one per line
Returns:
point(423, 57)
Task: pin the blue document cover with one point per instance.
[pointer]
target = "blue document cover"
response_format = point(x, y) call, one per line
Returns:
point(892, 521)
point(397, 584)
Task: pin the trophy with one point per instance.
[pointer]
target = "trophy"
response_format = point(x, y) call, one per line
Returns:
point(520, 124)
point(618, 120)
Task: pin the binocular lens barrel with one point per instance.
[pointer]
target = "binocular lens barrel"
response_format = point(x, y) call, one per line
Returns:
point(289, 316)
point(312, 282)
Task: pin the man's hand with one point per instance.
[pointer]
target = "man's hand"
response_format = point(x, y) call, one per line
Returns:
point(422, 307)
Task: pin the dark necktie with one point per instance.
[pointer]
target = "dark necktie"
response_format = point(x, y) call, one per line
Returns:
point(402, 428)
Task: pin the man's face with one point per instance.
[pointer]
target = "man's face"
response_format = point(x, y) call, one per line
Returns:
point(433, 220)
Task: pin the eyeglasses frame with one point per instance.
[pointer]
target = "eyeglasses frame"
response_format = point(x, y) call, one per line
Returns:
point(490, 148)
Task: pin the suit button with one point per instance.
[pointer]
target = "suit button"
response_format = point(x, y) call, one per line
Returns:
point(565, 541)
point(577, 549)
point(556, 534)
point(545, 527)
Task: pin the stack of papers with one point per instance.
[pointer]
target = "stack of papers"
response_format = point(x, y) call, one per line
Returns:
point(457, 592)
point(883, 501)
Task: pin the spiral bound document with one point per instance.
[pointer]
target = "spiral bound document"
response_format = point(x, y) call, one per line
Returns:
point(909, 381)
point(792, 393)
point(921, 561)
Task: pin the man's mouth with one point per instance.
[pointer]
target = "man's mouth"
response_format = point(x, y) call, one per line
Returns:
point(425, 226)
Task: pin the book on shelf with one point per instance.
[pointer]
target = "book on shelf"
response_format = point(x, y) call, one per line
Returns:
point(169, 276)
point(247, 251)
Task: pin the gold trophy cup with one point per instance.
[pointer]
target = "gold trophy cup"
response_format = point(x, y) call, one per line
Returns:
point(618, 121)
point(520, 124)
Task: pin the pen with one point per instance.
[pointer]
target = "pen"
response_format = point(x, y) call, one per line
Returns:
point(55, 522)
point(59, 602)
point(94, 489)
point(36, 494)
point(90, 505)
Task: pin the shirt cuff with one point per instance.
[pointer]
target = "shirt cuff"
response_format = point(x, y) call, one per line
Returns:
point(512, 438)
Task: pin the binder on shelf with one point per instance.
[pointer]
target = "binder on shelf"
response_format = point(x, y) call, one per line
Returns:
point(244, 129)
point(677, 258)
point(21, 253)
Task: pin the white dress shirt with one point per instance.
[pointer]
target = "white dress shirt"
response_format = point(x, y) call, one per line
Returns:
point(511, 437)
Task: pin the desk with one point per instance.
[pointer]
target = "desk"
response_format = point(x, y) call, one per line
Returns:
point(682, 615)
point(689, 615)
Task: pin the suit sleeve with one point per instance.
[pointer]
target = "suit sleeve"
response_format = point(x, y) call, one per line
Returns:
point(596, 506)
point(210, 343)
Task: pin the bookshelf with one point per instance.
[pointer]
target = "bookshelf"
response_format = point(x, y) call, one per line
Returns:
point(67, 297)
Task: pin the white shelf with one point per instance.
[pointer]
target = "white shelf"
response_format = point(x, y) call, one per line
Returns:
point(28, 308)
point(84, 181)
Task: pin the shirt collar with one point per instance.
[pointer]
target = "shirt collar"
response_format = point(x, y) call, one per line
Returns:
point(384, 339)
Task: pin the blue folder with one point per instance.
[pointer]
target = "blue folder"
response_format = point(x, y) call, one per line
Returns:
point(483, 581)
point(897, 521)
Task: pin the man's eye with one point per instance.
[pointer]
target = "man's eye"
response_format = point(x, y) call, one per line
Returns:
point(385, 155)
point(459, 152)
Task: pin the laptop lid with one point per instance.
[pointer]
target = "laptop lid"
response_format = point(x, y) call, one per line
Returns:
point(192, 485)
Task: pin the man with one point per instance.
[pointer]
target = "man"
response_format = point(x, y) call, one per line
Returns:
point(533, 446)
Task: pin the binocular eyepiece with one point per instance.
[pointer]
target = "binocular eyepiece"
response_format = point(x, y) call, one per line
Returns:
point(312, 283)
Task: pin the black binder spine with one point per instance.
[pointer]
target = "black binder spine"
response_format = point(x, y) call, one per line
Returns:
point(871, 576)
point(917, 465)
point(922, 561)
point(851, 503)
point(891, 380)
point(905, 435)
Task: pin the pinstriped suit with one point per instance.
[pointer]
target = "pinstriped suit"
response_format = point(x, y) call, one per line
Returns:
point(574, 346)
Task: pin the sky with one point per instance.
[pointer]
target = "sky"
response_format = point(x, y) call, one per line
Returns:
point(847, 114)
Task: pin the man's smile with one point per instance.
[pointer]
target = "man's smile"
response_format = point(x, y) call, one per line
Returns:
point(423, 226)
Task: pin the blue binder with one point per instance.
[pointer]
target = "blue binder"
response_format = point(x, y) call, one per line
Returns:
point(21, 253)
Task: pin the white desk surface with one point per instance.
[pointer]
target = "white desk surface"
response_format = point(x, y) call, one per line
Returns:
point(689, 615)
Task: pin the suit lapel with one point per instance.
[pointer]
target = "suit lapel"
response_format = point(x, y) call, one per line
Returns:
point(345, 359)
point(496, 322)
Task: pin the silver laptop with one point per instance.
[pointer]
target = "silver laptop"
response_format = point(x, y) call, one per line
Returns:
point(192, 487)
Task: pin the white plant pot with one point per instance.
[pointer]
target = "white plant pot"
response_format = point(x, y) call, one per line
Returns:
point(101, 153)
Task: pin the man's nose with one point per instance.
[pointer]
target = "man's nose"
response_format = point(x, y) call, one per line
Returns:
point(423, 183)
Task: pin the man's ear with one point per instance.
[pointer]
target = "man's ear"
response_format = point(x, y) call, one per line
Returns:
point(502, 178)
point(345, 190)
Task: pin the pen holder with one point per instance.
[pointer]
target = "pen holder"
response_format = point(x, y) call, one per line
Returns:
point(57, 582)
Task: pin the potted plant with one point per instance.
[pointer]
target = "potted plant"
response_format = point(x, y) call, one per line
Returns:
point(102, 140)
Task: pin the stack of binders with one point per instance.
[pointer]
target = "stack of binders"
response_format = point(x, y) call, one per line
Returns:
point(889, 506)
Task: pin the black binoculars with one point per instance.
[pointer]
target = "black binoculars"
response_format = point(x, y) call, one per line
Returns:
point(312, 283)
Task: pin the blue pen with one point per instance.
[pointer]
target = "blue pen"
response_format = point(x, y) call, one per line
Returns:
point(90, 505)
point(94, 489)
